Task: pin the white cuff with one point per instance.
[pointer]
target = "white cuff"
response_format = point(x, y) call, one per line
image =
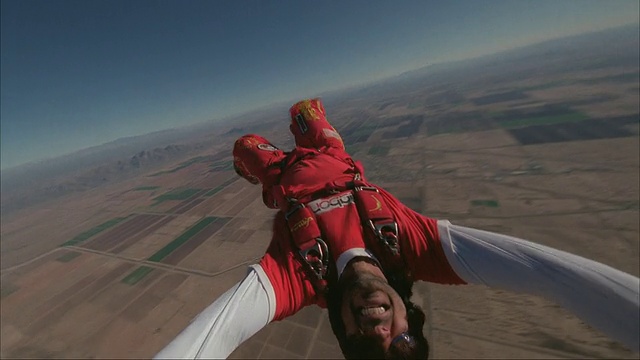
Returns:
point(346, 256)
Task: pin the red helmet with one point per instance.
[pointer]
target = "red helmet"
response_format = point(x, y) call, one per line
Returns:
point(310, 127)
point(256, 159)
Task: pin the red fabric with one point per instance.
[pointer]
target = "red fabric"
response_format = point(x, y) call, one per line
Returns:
point(319, 160)
point(310, 127)
point(255, 156)
point(292, 288)
point(419, 243)
point(341, 228)
point(302, 178)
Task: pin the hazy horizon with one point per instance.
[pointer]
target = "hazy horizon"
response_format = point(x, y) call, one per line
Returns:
point(77, 75)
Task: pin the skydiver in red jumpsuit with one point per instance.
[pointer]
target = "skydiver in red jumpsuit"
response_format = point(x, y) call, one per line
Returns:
point(367, 275)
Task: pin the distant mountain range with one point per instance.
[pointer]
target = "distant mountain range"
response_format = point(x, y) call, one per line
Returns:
point(128, 157)
point(618, 46)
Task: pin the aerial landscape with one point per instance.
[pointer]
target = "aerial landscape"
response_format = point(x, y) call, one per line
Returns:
point(111, 251)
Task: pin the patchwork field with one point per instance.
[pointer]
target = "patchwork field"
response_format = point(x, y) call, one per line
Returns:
point(139, 275)
point(119, 270)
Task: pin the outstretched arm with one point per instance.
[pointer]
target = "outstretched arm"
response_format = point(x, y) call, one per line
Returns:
point(606, 298)
point(225, 324)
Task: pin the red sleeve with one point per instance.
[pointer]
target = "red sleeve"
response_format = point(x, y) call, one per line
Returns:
point(421, 247)
point(292, 289)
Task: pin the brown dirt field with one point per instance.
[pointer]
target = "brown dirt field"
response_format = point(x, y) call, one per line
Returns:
point(185, 203)
point(469, 141)
point(27, 303)
point(220, 202)
point(600, 187)
point(139, 308)
point(148, 245)
point(196, 293)
point(202, 259)
point(221, 259)
point(616, 153)
point(21, 323)
point(257, 212)
point(121, 233)
point(240, 236)
point(189, 206)
point(134, 239)
point(242, 202)
point(187, 248)
point(232, 226)
point(34, 272)
point(44, 234)
point(77, 295)
point(213, 180)
point(122, 332)
point(216, 253)
point(159, 317)
point(40, 276)
point(458, 314)
point(67, 330)
point(81, 309)
point(121, 294)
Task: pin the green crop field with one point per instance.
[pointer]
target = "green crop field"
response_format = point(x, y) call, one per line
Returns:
point(176, 194)
point(183, 165)
point(544, 120)
point(379, 150)
point(223, 165)
point(144, 188)
point(136, 275)
point(68, 256)
point(221, 186)
point(7, 289)
point(91, 232)
point(487, 203)
point(168, 249)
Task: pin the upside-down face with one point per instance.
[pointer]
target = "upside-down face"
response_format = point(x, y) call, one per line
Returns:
point(256, 159)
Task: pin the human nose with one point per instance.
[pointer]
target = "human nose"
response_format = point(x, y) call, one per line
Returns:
point(378, 331)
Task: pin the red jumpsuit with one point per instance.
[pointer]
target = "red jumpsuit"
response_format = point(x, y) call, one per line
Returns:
point(439, 252)
point(320, 159)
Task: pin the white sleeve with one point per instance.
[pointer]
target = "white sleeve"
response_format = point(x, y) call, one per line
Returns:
point(603, 297)
point(233, 318)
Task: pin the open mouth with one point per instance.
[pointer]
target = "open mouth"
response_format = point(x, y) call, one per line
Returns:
point(375, 310)
point(373, 306)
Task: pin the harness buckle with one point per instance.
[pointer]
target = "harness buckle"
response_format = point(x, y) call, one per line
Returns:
point(387, 233)
point(317, 258)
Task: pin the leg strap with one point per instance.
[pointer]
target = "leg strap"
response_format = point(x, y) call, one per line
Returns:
point(312, 250)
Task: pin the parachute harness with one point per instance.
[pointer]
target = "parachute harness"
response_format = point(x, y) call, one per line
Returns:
point(376, 219)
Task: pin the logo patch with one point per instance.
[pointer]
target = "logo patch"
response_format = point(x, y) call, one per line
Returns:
point(249, 142)
point(327, 204)
point(331, 133)
point(378, 204)
point(301, 224)
point(267, 147)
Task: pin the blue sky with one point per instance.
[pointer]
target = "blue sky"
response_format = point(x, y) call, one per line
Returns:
point(80, 73)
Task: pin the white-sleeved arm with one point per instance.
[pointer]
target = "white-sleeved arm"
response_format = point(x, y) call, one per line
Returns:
point(233, 318)
point(603, 297)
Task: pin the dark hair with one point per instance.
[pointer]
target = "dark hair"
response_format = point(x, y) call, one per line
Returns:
point(362, 347)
